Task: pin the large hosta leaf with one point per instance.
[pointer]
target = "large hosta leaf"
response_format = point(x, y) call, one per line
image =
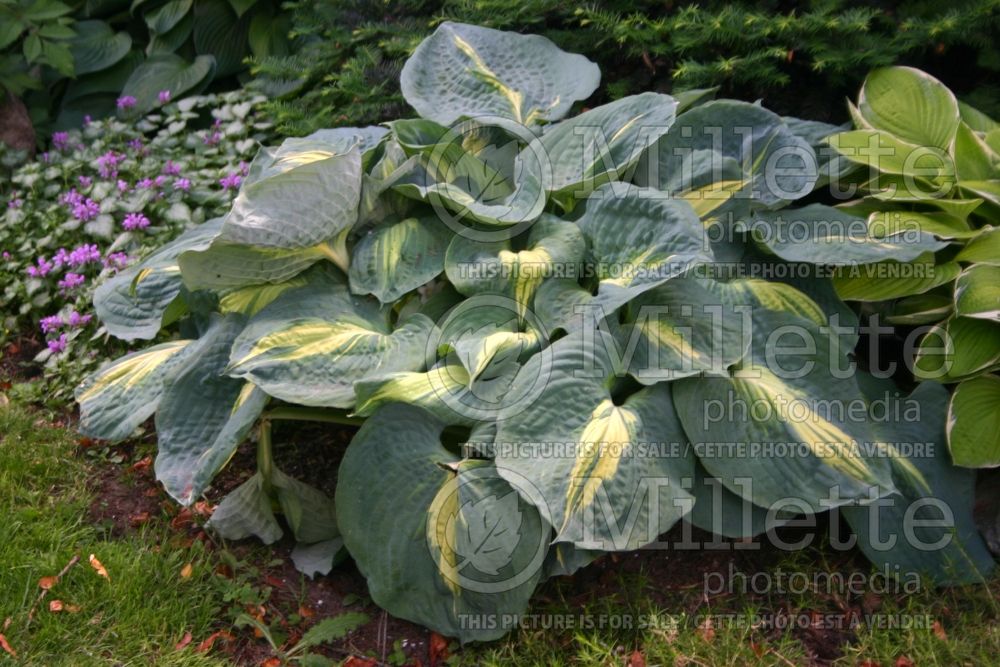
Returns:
point(394, 258)
point(230, 265)
point(722, 512)
point(983, 249)
point(974, 423)
point(166, 71)
point(821, 234)
point(910, 104)
point(298, 195)
point(732, 142)
point(605, 143)
point(464, 70)
point(441, 541)
point(312, 344)
point(118, 398)
point(977, 293)
point(97, 47)
point(611, 468)
point(782, 418)
point(891, 279)
point(204, 415)
point(134, 303)
point(926, 525)
point(247, 512)
point(957, 349)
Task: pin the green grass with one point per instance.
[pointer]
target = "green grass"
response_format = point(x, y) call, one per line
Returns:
point(138, 616)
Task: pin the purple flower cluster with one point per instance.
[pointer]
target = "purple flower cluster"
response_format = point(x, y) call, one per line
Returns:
point(116, 260)
point(107, 164)
point(82, 255)
point(16, 202)
point(182, 184)
point(171, 169)
point(135, 221)
point(43, 268)
point(136, 145)
point(125, 102)
point(71, 281)
point(58, 344)
point(55, 322)
point(60, 140)
point(85, 181)
point(231, 181)
point(163, 96)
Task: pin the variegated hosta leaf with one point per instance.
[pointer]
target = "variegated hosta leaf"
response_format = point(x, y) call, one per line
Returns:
point(977, 292)
point(816, 133)
point(204, 415)
point(312, 344)
point(552, 247)
point(926, 526)
point(605, 143)
point(441, 391)
point(974, 423)
point(464, 70)
point(247, 512)
point(722, 512)
point(983, 249)
point(251, 299)
point(440, 540)
point(910, 104)
point(611, 467)
point(396, 257)
point(893, 157)
point(132, 303)
point(940, 224)
point(681, 328)
point(298, 195)
point(662, 239)
point(772, 164)
point(921, 309)
point(891, 279)
point(958, 348)
point(820, 234)
point(784, 418)
point(116, 399)
point(226, 265)
point(343, 139)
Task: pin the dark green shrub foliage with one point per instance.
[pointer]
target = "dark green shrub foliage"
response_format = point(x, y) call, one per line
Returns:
point(801, 58)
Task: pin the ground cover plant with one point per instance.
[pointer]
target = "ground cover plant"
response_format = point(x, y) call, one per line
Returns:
point(103, 197)
point(552, 330)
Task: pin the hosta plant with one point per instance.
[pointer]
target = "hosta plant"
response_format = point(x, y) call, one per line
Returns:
point(550, 328)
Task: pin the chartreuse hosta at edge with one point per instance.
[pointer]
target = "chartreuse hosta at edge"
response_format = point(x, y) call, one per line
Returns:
point(454, 283)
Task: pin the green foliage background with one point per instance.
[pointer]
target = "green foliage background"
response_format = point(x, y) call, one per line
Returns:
point(802, 58)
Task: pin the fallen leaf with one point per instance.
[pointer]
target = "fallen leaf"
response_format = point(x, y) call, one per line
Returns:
point(758, 650)
point(637, 659)
point(870, 663)
point(438, 649)
point(938, 631)
point(46, 583)
point(6, 647)
point(139, 519)
point(55, 606)
point(96, 564)
point(274, 582)
point(306, 612)
point(71, 608)
point(203, 508)
point(183, 519)
point(185, 640)
point(271, 662)
point(355, 661)
point(141, 464)
point(187, 571)
point(208, 643)
point(904, 661)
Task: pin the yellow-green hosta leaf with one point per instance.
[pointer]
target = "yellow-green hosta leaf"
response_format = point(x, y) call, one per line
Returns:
point(551, 247)
point(782, 418)
point(975, 160)
point(983, 249)
point(976, 119)
point(610, 468)
point(910, 104)
point(439, 540)
point(921, 309)
point(251, 299)
point(731, 141)
point(226, 265)
point(466, 71)
point(116, 399)
point(940, 224)
point(890, 279)
point(959, 348)
point(204, 415)
point(312, 344)
point(819, 234)
point(440, 391)
point(988, 190)
point(394, 258)
point(974, 423)
point(928, 169)
point(133, 303)
point(977, 292)
point(296, 196)
point(910, 531)
point(682, 328)
point(604, 143)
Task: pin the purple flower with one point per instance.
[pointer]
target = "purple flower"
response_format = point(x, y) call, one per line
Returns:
point(146, 184)
point(135, 144)
point(163, 96)
point(107, 164)
point(212, 139)
point(125, 102)
point(61, 258)
point(42, 270)
point(17, 202)
point(5, 255)
point(59, 344)
point(182, 184)
point(244, 168)
point(122, 186)
point(84, 254)
point(45, 156)
point(116, 260)
point(86, 210)
point(50, 323)
point(71, 198)
point(85, 181)
point(71, 281)
point(233, 181)
point(159, 181)
point(75, 319)
point(135, 221)
point(87, 120)
point(60, 140)
point(171, 169)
